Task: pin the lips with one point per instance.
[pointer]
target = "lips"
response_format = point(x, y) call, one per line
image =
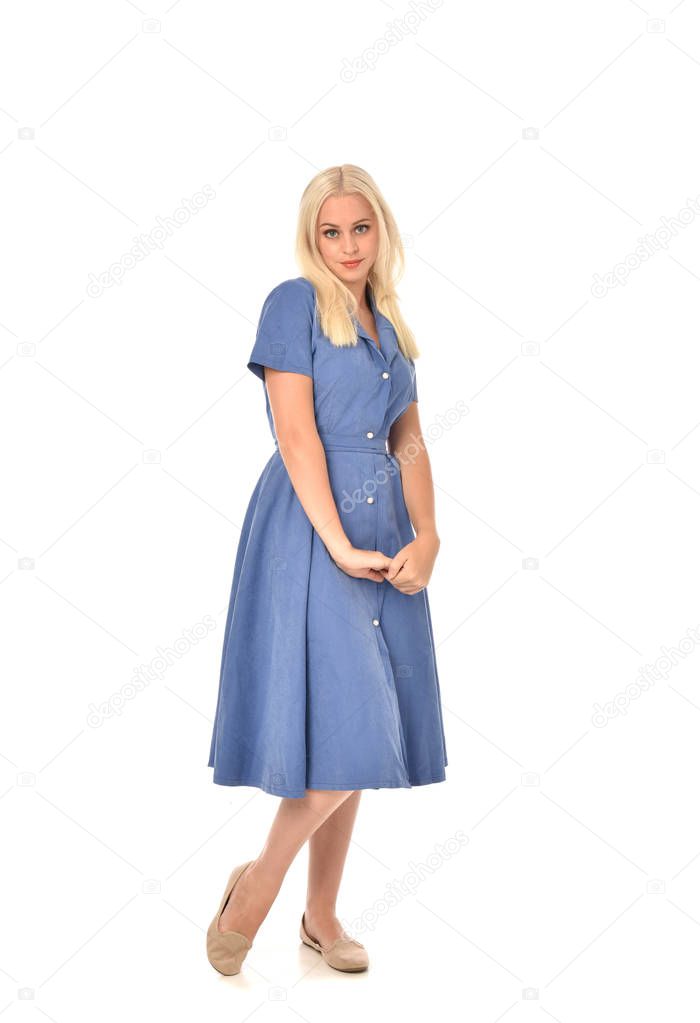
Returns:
point(352, 262)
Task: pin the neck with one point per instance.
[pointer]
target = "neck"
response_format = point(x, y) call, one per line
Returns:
point(360, 293)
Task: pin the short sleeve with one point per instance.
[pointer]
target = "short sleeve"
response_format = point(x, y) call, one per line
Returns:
point(414, 384)
point(283, 339)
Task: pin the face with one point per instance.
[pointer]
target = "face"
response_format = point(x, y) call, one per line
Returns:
point(347, 234)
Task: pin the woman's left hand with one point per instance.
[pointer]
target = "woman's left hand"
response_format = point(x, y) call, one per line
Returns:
point(412, 566)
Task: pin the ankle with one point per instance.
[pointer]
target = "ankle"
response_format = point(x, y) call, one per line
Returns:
point(264, 878)
point(320, 911)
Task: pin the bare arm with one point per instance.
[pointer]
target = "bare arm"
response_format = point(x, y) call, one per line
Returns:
point(304, 457)
point(408, 447)
point(412, 566)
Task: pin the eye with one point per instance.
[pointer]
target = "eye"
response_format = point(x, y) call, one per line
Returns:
point(331, 232)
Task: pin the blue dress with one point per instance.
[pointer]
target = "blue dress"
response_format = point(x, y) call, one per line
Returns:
point(327, 681)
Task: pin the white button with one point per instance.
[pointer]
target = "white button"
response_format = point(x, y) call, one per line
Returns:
point(385, 376)
point(375, 621)
point(370, 435)
point(370, 500)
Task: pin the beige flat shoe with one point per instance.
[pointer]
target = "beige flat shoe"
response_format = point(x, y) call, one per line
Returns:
point(346, 954)
point(226, 951)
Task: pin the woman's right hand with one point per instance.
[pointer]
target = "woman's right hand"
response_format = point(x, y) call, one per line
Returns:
point(361, 564)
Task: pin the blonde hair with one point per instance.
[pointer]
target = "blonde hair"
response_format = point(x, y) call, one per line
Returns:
point(336, 303)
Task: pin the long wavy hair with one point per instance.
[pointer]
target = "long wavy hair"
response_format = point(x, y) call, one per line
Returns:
point(336, 303)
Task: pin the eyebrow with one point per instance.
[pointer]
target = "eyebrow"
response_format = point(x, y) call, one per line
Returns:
point(354, 224)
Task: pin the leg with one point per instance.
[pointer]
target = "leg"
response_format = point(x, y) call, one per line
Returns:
point(328, 848)
point(296, 820)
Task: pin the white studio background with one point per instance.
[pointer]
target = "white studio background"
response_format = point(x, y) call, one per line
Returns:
point(543, 166)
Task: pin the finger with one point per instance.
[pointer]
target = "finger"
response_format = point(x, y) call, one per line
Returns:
point(407, 587)
point(400, 566)
point(397, 585)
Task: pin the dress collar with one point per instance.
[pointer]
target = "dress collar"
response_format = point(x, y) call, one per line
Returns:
point(385, 330)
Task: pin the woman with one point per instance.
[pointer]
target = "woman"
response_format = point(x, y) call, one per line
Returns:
point(328, 678)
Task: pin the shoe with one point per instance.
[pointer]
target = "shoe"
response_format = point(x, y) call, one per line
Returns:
point(226, 950)
point(346, 954)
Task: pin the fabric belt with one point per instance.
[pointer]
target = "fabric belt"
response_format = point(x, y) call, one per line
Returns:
point(352, 442)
